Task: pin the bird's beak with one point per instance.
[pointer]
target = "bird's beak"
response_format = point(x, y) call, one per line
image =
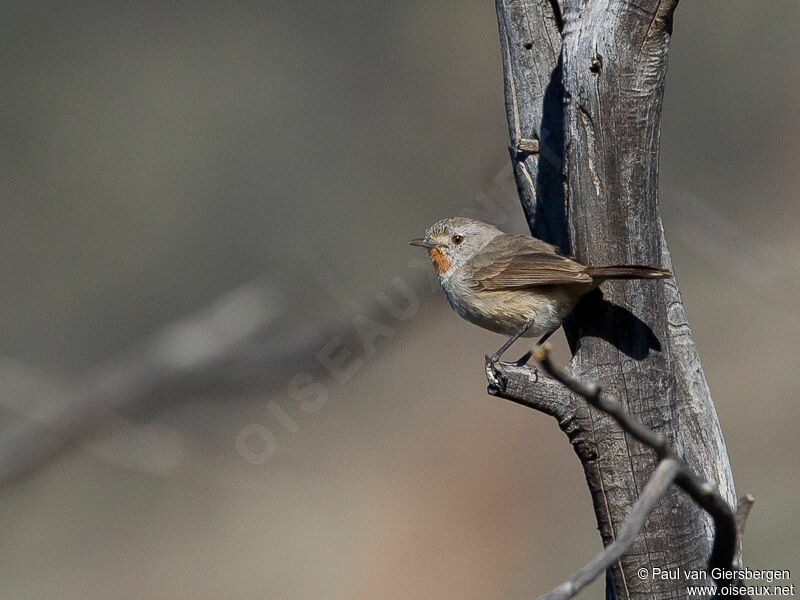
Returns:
point(425, 243)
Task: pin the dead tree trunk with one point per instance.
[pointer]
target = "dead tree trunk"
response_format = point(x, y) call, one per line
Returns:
point(583, 98)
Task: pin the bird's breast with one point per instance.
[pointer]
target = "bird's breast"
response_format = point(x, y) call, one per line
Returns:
point(505, 311)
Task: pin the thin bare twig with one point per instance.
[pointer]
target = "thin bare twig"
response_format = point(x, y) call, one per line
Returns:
point(660, 481)
point(671, 468)
point(742, 512)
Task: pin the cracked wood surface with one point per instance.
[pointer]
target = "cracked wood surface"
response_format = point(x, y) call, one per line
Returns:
point(593, 102)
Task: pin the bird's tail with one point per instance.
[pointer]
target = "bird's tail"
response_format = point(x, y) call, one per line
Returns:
point(629, 272)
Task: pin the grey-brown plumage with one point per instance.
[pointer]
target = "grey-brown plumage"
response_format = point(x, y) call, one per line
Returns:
point(506, 282)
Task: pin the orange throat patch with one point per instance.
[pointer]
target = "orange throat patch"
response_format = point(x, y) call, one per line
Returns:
point(439, 260)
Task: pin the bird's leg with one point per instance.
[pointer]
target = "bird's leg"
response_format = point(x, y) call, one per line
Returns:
point(523, 360)
point(546, 336)
point(496, 378)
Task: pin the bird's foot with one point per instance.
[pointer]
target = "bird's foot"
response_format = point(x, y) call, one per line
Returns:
point(497, 380)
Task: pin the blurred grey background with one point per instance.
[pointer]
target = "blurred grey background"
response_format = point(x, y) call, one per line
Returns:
point(156, 156)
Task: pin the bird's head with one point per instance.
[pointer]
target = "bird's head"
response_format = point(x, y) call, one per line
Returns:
point(453, 242)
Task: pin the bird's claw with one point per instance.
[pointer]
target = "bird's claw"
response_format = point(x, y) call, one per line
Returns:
point(496, 379)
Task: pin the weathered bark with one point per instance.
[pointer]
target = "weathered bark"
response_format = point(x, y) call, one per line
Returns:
point(583, 99)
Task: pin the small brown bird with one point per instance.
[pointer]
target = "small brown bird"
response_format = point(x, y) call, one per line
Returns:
point(512, 284)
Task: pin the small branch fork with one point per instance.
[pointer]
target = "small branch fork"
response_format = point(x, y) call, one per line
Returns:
point(728, 526)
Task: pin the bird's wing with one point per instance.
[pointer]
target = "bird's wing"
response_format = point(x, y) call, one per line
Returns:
point(521, 262)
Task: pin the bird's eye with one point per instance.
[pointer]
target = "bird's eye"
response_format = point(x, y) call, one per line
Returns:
point(457, 239)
